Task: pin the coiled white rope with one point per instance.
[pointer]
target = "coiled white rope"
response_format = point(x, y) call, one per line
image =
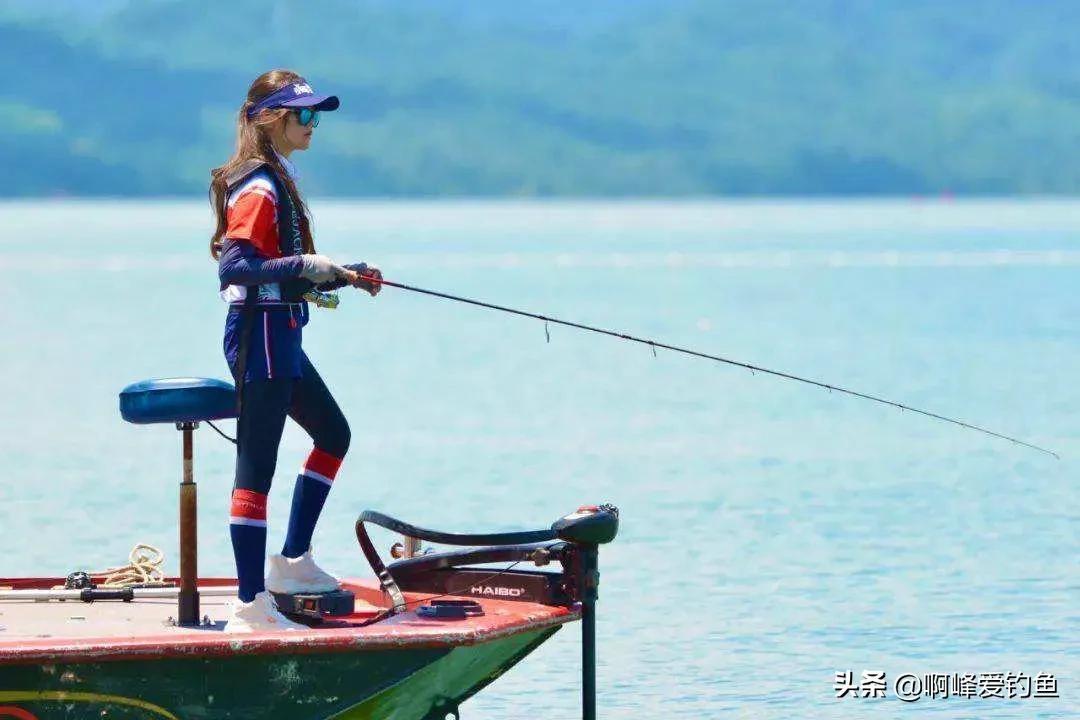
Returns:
point(143, 570)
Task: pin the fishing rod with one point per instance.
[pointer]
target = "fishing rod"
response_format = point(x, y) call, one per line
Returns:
point(695, 353)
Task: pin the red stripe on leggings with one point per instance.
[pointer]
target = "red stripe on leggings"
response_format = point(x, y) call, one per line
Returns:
point(323, 463)
point(248, 504)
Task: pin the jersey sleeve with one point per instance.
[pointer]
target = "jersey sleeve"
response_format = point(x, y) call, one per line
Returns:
point(251, 215)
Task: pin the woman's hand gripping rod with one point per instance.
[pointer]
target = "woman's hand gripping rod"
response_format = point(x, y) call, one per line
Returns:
point(359, 275)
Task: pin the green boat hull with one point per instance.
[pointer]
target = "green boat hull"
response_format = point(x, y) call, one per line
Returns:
point(380, 684)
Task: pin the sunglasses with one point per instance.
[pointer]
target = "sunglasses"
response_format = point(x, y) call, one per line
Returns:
point(307, 117)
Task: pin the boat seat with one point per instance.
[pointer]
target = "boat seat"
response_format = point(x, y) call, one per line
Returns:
point(177, 400)
point(184, 402)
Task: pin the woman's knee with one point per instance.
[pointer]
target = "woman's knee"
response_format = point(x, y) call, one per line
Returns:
point(335, 438)
point(344, 437)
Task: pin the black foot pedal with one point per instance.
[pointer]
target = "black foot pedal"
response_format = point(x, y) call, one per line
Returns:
point(316, 606)
point(450, 609)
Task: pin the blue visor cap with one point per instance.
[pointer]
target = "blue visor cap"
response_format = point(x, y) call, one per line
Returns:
point(295, 95)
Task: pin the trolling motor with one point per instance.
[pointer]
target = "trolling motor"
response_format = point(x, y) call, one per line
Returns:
point(573, 541)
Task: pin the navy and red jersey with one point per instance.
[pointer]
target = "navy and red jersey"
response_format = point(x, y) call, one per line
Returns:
point(251, 215)
point(251, 257)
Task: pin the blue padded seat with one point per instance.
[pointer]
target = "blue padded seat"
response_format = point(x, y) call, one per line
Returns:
point(173, 400)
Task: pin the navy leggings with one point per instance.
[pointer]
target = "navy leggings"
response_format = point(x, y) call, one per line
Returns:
point(266, 404)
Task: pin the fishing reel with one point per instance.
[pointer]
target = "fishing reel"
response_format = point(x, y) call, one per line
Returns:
point(329, 300)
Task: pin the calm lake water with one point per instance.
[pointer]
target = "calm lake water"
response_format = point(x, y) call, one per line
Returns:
point(772, 534)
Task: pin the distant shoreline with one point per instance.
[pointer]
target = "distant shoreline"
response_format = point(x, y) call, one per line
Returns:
point(939, 199)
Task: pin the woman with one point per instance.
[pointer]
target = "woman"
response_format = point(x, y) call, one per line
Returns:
point(266, 263)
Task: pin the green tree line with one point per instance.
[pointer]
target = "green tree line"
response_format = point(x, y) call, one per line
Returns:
point(545, 98)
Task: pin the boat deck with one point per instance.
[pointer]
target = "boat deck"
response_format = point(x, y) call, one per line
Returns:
point(52, 630)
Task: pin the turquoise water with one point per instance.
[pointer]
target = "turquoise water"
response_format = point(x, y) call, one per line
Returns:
point(773, 534)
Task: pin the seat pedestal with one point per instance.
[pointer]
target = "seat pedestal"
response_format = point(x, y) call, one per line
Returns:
point(183, 402)
point(188, 609)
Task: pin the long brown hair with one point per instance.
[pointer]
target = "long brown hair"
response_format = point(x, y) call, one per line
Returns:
point(253, 143)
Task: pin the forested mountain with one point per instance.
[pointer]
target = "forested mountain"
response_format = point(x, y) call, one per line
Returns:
point(554, 98)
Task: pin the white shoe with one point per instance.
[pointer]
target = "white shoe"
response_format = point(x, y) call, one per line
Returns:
point(259, 615)
point(298, 575)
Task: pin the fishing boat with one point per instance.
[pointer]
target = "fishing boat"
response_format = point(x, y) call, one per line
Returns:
point(429, 631)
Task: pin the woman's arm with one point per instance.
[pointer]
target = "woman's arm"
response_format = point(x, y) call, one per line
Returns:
point(241, 263)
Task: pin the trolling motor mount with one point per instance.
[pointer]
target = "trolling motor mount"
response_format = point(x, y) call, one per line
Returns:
point(447, 572)
point(572, 540)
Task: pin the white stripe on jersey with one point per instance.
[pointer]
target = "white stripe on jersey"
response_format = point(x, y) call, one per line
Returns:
point(234, 293)
point(257, 183)
point(268, 292)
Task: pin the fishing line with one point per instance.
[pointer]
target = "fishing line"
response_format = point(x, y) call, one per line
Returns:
point(694, 353)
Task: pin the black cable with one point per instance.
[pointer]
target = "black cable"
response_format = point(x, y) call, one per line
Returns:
point(686, 351)
point(460, 539)
point(389, 612)
point(218, 431)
